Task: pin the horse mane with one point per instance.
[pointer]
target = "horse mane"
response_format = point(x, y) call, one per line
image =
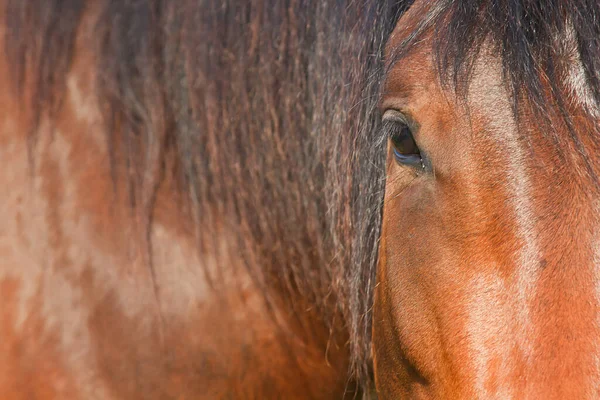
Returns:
point(542, 44)
point(267, 109)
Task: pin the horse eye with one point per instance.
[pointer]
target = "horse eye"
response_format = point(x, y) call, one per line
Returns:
point(405, 149)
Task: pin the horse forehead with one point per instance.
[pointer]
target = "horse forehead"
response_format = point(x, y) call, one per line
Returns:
point(411, 69)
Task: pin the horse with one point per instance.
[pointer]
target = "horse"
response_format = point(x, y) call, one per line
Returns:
point(197, 201)
point(487, 282)
point(191, 197)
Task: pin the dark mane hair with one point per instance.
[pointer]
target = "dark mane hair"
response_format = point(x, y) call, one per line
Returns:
point(266, 108)
point(539, 42)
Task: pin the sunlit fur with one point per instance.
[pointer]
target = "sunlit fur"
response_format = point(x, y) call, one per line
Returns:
point(191, 196)
point(488, 277)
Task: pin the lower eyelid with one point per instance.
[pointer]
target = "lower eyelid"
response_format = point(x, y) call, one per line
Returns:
point(412, 160)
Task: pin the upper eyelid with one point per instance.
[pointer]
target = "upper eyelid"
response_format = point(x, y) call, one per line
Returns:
point(394, 115)
point(401, 116)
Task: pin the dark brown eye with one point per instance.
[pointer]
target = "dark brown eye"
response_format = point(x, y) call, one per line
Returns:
point(403, 143)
